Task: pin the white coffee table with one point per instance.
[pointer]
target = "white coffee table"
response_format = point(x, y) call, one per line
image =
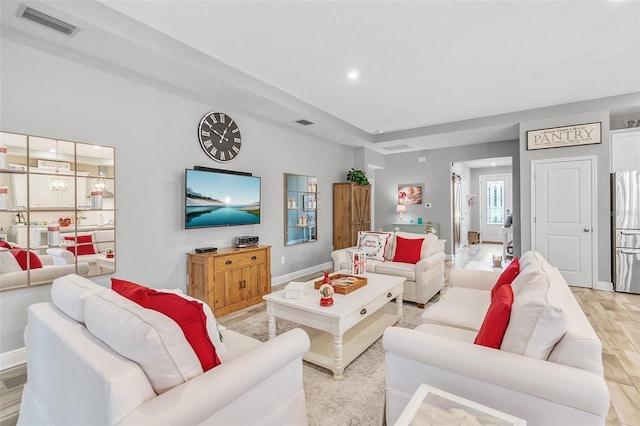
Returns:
point(105, 264)
point(339, 333)
point(433, 406)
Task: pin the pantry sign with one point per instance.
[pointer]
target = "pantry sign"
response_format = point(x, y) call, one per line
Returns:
point(557, 137)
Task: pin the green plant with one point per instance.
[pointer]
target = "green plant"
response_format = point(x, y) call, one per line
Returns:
point(357, 176)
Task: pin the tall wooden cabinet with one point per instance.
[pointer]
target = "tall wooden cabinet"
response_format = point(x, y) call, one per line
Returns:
point(351, 213)
point(231, 278)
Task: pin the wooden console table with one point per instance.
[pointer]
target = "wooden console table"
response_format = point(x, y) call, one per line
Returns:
point(231, 278)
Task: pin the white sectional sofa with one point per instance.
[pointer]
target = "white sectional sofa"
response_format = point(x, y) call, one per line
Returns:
point(75, 378)
point(12, 275)
point(547, 371)
point(423, 279)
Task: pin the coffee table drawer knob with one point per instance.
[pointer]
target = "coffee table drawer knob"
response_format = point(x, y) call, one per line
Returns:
point(389, 294)
point(363, 311)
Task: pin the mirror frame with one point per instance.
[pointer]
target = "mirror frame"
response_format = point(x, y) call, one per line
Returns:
point(57, 209)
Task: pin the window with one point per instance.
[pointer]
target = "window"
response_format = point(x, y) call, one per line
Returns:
point(495, 202)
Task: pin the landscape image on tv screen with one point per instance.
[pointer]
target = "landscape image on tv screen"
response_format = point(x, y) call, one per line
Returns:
point(220, 199)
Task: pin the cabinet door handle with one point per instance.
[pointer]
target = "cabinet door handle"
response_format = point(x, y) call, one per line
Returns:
point(389, 294)
point(239, 284)
point(228, 262)
point(363, 311)
point(630, 251)
point(253, 257)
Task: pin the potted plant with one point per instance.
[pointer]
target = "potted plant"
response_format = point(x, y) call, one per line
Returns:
point(357, 176)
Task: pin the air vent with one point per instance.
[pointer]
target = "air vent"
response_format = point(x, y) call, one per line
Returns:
point(47, 20)
point(304, 122)
point(396, 148)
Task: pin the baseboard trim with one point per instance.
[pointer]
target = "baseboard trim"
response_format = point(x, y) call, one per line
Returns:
point(603, 285)
point(301, 273)
point(13, 358)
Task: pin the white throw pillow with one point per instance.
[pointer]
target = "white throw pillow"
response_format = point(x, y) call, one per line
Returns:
point(532, 261)
point(373, 244)
point(8, 262)
point(538, 316)
point(213, 329)
point(69, 292)
point(145, 336)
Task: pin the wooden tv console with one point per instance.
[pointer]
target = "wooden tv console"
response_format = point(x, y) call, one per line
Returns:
point(230, 278)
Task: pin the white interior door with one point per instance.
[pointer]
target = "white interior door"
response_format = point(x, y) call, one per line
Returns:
point(495, 200)
point(564, 218)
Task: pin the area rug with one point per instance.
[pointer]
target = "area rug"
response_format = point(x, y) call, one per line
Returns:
point(358, 399)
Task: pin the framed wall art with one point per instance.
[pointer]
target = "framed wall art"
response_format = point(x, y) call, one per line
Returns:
point(558, 137)
point(409, 194)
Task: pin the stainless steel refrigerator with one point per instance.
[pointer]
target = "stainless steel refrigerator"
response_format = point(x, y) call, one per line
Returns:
point(625, 194)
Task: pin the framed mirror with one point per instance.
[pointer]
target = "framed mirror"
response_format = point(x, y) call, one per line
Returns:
point(57, 209)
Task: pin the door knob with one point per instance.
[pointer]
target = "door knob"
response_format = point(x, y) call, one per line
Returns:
point(586, 230)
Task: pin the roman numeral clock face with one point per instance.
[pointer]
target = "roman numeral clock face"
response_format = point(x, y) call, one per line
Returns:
point(219, 136)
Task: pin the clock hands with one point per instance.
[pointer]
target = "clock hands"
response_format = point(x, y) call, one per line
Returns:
point(222, 136)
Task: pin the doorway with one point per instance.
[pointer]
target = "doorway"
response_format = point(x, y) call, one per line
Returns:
point(456, 190)
point(564, 228)
point(495, 203)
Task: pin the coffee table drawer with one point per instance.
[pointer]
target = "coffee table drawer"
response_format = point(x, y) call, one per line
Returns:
point(371, 307)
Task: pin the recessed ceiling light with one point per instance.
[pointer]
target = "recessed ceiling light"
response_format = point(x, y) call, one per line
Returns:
point(493, 163)
point(353, 75)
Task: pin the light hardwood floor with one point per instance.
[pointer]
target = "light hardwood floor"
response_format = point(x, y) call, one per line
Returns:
point(614, 316)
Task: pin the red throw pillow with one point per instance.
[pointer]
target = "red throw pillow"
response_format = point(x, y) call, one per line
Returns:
point(132, 291)
point(507, 276)
point(22, 255)
point(188, 314)
point(5, 244)
point(82, 246)
point(496, 319)
point(408, 250)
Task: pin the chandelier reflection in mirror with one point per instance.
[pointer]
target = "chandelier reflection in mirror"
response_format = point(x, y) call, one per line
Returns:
point(100, 183)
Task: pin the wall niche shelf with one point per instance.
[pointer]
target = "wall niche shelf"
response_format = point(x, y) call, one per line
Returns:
point(301, 209)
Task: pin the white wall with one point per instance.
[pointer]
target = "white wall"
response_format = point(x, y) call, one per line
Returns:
point(602, 151)
point(154, 134)
point(435, 173)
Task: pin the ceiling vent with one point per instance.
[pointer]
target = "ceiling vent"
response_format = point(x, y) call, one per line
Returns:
point(304, 122)
point(47, 20)
point(396, 148)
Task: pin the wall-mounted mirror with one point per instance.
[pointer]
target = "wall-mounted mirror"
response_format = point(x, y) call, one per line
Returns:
point(301, 209)
point(57, 209)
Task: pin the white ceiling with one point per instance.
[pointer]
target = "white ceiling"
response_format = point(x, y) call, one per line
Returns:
point(432, 73)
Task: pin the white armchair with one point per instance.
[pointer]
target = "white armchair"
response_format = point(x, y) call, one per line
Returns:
point(423, 279)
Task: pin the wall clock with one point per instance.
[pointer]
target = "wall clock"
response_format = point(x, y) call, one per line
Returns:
point(219, 136)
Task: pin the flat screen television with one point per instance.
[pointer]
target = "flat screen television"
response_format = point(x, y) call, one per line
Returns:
point(214, 198)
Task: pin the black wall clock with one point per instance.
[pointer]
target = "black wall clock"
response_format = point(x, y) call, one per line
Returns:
point(219, 136)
